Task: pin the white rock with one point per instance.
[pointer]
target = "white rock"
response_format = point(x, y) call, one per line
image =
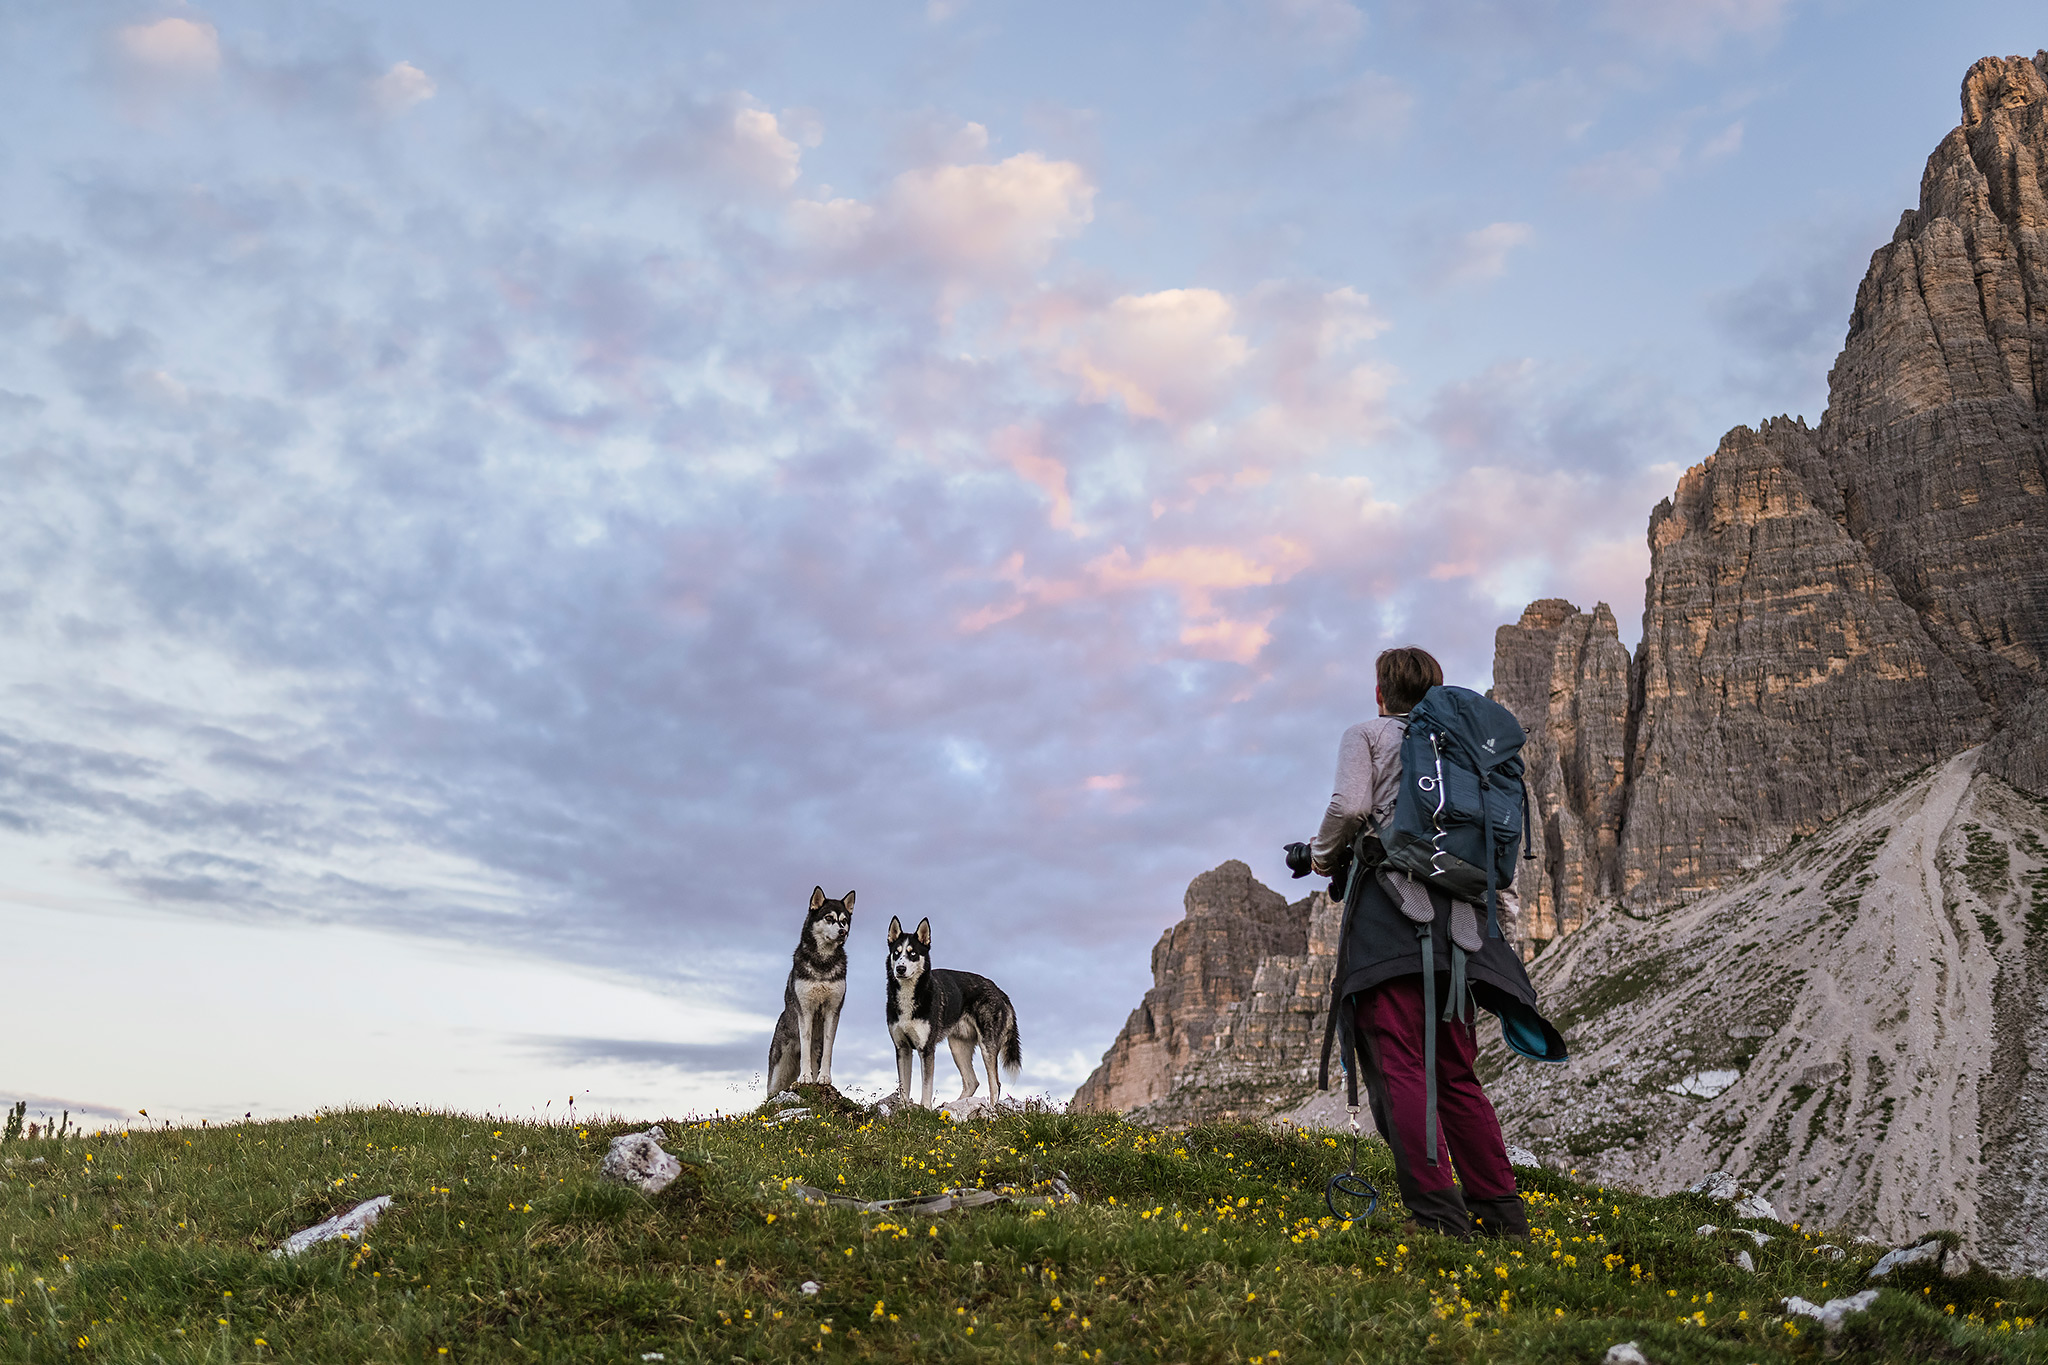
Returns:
point(1760, 1238)
point(786, 1097)
point(1625, 1353)
point(789, 1116)
point(1833, 1311)
point(1522, 1156)
point(351, 1224)
point(1929, 1250)
point(963, 1110)
point(1755, 1206)
point(1704, 1085)
point(636, 1159)
point(652, 1355)
point(1718, 1185)
point(808, 1287)
point(1828, 1251)
point(1743, 1259)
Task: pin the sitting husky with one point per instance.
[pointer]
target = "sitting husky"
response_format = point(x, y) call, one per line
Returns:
point(927, 1003)
point(800, 1053)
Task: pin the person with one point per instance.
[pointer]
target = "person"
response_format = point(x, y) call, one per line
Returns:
point(1380, 992)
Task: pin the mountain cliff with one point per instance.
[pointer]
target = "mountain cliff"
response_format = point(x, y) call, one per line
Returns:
point(1828, 608)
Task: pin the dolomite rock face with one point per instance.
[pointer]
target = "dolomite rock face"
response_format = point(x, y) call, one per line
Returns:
point(2018, 753)
point(1829, 609)
point(1200, 965)
point(1781, 678)
point(1264, 1053)
point(1565, 675)
point(1934, 433)
point(1878, 989)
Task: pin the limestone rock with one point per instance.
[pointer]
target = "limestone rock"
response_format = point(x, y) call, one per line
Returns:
point(354, 1223)
point(637, 1159)
point(2018, 753)
point(1831, 1313)
point(1934, 433)
point(1565, 676)
point(1755, 1206)
point(1926, 1252)
point(1624, 1353)
point(1263, 1056)
point(1200, 965)
point(1782, 679)
point(1718, 1185)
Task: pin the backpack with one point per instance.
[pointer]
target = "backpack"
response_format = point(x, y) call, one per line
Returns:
point(1462, 813)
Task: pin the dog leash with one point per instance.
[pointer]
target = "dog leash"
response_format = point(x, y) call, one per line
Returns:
point(1350, 1185)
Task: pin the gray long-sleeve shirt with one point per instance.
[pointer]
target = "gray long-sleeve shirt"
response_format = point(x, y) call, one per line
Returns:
point(1368, 780)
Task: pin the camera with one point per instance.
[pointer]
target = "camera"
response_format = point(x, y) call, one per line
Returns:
point(1301, 862)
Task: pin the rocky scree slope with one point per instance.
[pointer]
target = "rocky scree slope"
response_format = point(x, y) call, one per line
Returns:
point(1850, 1029)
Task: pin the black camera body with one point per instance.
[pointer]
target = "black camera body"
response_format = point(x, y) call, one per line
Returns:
point(1301, 862)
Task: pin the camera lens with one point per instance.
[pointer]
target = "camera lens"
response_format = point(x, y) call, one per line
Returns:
point(1299, 860)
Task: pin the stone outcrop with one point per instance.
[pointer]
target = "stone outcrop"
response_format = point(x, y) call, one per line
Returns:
point(2018, 753)
point(1201, 964)
point(1867, 1007)
point(1565, 674)
point(1935, 431)
point(1263, 1055)
point(1781, 679)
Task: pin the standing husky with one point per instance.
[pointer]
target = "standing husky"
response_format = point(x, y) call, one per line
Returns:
point(927, 1003)
point(801, 1051)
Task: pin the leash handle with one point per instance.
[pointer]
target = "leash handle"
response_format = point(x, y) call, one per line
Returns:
point(1350, 1184)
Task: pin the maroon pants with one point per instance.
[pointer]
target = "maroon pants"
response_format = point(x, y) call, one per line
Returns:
point(1390, 1051)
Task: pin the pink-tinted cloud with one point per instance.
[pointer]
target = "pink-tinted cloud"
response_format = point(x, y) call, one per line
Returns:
point(174, 46)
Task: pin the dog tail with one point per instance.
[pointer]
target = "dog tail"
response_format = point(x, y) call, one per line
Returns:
point(1013, 1047)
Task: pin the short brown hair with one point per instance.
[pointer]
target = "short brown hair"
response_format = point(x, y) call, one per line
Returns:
point(1404, 675)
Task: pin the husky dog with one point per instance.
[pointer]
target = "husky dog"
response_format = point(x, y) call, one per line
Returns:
point(800, 1053)
point(927, 1003)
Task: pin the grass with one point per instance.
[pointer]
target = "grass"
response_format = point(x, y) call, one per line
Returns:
point(1211, 1245)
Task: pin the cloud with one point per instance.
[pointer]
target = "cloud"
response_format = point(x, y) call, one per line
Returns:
point(1692, 25)
point(1482, 254)
point(1325, 27)
point(1002, 216)
point(174, 47)
point(725, 143)
point(583, 535)
point(1725, 143)
point(402, 87)
point(1165, 355)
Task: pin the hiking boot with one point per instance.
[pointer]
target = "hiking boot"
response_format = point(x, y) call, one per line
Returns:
point(1506, 1218)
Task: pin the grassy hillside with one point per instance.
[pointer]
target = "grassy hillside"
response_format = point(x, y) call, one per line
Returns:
point(1205, 1246)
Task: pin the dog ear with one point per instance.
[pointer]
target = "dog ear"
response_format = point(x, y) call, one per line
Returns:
point(895, 928)
point(924, 931)
point(848, 898)
point(817, 896)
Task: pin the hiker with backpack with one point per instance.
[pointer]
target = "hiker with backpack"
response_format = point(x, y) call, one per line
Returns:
point(1420, 838)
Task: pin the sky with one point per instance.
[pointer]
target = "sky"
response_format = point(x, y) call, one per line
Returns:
point(502, 500)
